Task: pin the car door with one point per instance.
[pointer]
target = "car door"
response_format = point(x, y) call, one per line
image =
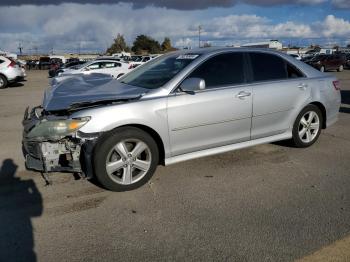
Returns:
point(112, 68)
point(217, 116)
point(279, 92)
point(92, 68)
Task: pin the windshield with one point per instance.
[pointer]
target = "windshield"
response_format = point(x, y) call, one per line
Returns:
point(158, 72)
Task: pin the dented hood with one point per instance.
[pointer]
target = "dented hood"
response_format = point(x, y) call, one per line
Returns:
point(67, 92)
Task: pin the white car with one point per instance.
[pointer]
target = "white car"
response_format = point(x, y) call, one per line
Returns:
point(139, 61)
point(111, 67)
point(296, 56)
point(10, 71)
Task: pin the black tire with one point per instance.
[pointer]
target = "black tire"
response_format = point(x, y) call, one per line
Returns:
point(120, 75)
point(3, 82)
point(296, 140)
point(105, 145)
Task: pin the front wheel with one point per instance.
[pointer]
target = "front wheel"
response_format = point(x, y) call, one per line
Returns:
point(126, 159)
point(307, 126)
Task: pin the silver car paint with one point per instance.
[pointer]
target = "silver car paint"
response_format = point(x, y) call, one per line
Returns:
point(219, 120)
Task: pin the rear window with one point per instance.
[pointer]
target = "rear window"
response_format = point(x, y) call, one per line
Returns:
point(268, 67)
point(1, 61)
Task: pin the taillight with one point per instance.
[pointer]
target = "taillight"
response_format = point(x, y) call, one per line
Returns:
point(336, 84)
point(12, 64)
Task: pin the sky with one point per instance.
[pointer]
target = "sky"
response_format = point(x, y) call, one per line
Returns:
point(90, 25)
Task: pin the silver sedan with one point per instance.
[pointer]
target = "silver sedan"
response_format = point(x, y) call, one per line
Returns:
point(178, 107)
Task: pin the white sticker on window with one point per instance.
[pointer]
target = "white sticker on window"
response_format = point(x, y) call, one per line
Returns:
point(187, 57)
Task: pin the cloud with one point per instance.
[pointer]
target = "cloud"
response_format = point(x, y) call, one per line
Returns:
point(341, 3)
point(73, 27)
point(172, 4)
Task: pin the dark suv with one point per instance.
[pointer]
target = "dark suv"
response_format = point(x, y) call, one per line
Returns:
point(348, 60)
point(324, 62)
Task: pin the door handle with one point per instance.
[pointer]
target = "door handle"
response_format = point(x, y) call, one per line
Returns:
point(302, 86)
point(243, 94)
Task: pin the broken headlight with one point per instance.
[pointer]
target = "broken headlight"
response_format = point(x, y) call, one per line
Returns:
point(57, 128)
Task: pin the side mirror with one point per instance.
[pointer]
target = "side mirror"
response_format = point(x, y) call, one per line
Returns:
point(190, 85)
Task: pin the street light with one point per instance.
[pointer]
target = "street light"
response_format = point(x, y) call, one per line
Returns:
point(199, 36)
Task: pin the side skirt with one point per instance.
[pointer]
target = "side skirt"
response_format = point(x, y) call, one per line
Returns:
point(228, 148)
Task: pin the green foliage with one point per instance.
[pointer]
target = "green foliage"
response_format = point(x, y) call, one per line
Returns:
point(118, 45)
point(146, 44)
point(166, 45)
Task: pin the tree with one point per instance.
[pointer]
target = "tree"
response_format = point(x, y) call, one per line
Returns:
point(166, 45)
point(118, 45)
point(145, 43)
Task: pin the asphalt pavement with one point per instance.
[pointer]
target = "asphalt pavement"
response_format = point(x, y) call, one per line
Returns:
point(265, 203)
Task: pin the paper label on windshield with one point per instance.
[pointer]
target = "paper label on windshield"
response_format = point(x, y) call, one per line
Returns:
point(191, 57)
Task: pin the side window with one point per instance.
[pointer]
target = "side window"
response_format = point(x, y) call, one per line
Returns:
point(267, 67)
point(94, 66)
point(293, 72)
point(221, 70)
point(110, 65)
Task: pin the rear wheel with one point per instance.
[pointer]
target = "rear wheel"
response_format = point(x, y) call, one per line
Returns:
point(341, 68)
point(307, 127)
point(126, 159)
point(3, 82)
point(322, 69)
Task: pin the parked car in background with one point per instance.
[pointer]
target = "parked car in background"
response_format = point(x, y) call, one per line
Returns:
point(328, 62)
point(296, 56)
point(55, 70)
point(10, 71)
point(31, 64)
point(347, 61)
point(44, 63)
point(115, 68)
point(181, 106)
point(140, 60)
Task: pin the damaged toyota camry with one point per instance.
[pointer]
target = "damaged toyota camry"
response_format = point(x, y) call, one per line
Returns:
point(181, 106)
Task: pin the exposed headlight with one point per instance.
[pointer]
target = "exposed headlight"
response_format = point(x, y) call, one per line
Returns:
point(57, 128)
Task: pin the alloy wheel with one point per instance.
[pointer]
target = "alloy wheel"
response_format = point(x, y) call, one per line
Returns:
point(128, 161)
point(309, 127)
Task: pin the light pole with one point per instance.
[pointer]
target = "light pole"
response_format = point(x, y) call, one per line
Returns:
point(199, 35)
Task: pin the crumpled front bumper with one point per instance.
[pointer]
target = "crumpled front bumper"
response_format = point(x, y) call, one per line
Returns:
point(49, 155)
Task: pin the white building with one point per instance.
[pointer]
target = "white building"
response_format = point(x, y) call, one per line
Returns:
point(273, 44)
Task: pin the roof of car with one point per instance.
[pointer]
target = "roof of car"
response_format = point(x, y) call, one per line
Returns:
point(223, 49)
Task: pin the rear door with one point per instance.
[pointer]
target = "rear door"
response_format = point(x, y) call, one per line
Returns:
point(279, 91)
point(217, 116)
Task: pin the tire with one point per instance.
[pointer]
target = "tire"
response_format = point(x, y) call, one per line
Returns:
point(304, 135)
point(117, 167)
point(3, 82)
point(322, 69)
point(120, 75)
point(341, 68)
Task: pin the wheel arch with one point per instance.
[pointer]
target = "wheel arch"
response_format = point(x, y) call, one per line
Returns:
point(1, 74)
point(154, 134)
point(323, 111)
